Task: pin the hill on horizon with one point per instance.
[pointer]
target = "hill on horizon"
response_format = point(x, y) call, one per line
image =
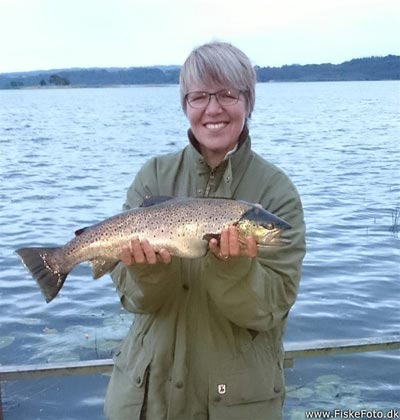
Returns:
point(368, 68)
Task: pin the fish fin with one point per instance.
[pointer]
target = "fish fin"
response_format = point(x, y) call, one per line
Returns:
point(155, 199)
point(101, 266)
point(261, 216)
point(80, 231)
point(208, 236)
point(40, 264)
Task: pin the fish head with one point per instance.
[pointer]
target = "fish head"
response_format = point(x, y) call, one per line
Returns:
point(264, 226)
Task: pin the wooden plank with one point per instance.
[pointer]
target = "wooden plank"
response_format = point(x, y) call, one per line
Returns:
point(292, 351)
point(90, 367)
point(337, 347)
point(1, 405)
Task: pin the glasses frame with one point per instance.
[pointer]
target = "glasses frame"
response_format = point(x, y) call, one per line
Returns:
point(215, 94)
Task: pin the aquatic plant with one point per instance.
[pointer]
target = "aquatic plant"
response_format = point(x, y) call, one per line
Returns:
point(394, 228)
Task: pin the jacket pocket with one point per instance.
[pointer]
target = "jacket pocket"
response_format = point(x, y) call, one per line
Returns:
point(246, 386)
point(126, 392)
point(134, 364)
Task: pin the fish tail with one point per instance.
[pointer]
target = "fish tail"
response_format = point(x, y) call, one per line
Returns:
point(43, 265)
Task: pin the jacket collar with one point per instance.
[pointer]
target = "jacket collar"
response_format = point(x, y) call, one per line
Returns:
point(242, 138)
point(230, 170)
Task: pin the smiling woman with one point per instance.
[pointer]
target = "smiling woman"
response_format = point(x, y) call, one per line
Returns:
point(216, 125)
point(206, 342)
point(217, 85)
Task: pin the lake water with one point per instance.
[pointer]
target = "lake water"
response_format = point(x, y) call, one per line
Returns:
point(67, 157)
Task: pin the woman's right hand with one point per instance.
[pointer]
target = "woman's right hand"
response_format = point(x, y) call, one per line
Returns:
point(141, 252)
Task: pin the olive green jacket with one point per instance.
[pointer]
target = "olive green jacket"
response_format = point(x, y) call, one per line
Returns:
point(206, 342)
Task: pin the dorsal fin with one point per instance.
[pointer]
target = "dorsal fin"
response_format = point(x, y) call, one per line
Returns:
point(155, 199)
point(80, 231)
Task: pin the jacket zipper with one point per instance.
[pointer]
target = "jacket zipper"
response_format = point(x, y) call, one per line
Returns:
point(210, 182)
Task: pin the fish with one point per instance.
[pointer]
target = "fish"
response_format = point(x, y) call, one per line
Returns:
point(182, 225)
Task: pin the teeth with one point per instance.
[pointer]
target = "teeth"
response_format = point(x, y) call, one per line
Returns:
point(215, 126)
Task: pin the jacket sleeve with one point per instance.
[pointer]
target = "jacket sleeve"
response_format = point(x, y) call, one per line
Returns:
point(145, 288)
point(258, 293)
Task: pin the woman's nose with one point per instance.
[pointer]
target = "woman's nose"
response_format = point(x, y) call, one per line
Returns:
point(213, 106)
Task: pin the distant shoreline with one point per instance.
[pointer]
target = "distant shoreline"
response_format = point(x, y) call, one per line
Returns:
point(71, 87)
point(89, 86)
point(359, 69)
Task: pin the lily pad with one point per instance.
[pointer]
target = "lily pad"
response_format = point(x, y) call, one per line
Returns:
point(48, 330)
point(6, 340)
point(329, 379)
point(351, 401)
point(296, 414)
point(300, 392)
point(327, 390)
point(62, 357)
point(100, 344)
point(29, 321)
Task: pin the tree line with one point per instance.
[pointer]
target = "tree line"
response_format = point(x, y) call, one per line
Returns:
point(368, 68)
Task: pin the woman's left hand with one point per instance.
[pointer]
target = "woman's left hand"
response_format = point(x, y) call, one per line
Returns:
point(231, 247)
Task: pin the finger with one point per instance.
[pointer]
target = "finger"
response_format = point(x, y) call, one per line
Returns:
point(214, 247)
point(251, 247)
point(164, 256)
point(137, 251)
point(148, 251)
point(126, 257)
point(224, 243)
point(234, 244)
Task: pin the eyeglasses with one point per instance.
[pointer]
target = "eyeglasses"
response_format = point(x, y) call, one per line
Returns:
point(225, 97)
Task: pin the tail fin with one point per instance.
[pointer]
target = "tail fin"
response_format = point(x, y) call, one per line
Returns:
point(42, 264)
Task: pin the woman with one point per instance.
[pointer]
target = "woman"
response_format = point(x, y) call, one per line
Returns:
point(206, 342)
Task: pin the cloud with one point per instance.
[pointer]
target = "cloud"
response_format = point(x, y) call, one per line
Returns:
point(47, 34)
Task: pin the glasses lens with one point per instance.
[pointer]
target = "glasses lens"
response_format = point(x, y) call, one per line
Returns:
point(228, 96)
point(197, 99)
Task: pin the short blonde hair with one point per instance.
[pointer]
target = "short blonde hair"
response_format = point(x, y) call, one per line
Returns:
point(219, 63)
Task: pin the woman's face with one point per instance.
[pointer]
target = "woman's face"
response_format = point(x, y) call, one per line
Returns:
point(216, 127)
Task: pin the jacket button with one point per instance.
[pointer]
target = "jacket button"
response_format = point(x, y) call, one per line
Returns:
point(277, 389)
point(179, 384)
point(217, 398)
point(138, 379)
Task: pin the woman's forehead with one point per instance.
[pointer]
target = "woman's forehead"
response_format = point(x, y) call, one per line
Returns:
point(206, 87)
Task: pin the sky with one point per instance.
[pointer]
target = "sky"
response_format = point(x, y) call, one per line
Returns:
point(55, 34)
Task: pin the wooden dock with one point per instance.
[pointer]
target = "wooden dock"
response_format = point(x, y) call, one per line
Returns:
point(293, 351)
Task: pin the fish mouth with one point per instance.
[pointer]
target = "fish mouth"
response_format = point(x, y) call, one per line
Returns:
point(274, 238)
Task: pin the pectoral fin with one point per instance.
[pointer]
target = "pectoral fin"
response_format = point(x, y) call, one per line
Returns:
point(101, 266)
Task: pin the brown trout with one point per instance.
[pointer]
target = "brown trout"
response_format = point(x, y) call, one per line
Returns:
point(183, 226)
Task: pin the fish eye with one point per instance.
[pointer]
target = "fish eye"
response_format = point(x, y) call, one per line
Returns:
point(269, 226)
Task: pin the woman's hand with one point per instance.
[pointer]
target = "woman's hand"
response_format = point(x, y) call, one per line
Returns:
point(231, 247)
point(141, 252)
